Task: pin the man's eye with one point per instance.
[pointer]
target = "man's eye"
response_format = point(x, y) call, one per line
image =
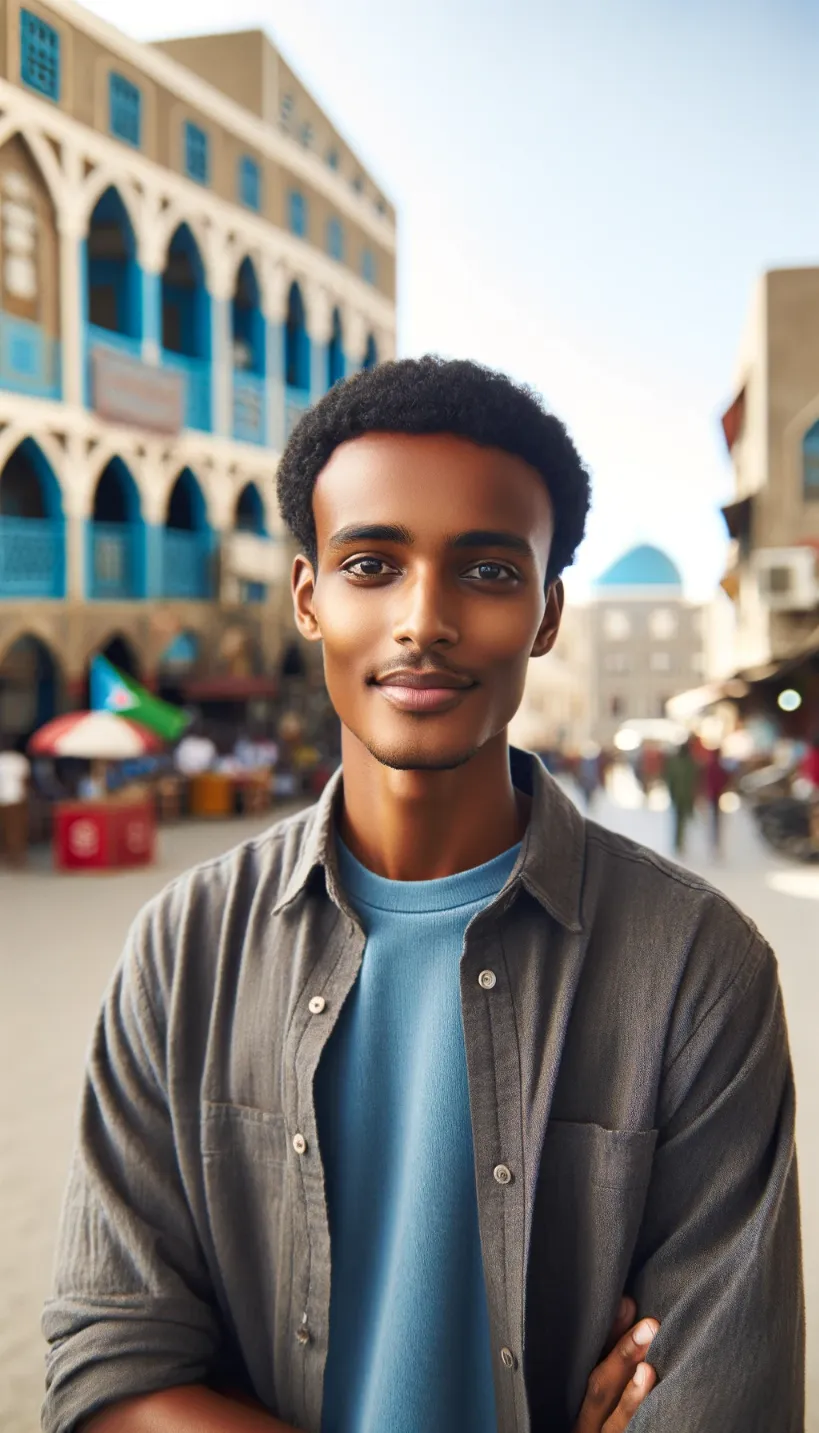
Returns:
point(366, 567)
point(492, 571)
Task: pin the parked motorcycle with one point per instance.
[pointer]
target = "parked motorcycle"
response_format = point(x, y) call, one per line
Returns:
point(784, 808)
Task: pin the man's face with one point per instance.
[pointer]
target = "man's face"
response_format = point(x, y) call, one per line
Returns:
point(432, 556)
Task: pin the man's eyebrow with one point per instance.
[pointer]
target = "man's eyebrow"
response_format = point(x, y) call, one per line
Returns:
point(370, 532)
point(488, 537)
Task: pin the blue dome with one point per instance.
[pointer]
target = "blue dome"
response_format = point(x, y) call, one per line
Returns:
point(642, 566)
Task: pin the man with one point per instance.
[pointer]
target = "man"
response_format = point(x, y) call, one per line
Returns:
point(682, 778)
point(14, 777)
point(391, 1111)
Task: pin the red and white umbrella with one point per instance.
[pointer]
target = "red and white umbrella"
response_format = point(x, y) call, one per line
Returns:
point(96, 736)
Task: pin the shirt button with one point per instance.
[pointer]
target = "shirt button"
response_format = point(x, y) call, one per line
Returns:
point(502, 1174)
point(508, 1358)
point(487, 979)
point(299, 1143)
point(302, 1335)
point(317, 1004)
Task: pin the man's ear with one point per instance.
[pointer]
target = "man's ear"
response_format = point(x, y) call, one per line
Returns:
point(550, 626)
point(303, 587)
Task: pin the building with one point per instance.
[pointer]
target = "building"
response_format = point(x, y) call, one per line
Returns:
point(645, 639)
point(555, 713)
point(772, 433)
point(190, 254)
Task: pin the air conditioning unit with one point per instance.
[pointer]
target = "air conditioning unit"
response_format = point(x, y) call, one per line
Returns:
point(787, 578)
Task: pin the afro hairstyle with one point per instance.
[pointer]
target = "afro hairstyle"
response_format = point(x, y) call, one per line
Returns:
point(437, 395)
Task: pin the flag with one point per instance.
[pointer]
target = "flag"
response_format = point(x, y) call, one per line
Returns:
point(112, 691)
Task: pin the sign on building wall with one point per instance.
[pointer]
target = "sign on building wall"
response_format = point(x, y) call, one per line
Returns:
point(127, 391)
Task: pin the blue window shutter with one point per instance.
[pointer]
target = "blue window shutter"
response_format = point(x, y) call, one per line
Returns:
point(298, 214)
point(125, 109)
point(335, 239)
point(368, 266)
point(197, 157)
point(250, 183)
point(39, 55)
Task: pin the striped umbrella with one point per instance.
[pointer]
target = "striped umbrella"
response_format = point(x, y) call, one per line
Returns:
point(95, 736)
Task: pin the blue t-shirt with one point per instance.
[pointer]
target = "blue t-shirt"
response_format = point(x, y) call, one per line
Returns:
point(409, 1347)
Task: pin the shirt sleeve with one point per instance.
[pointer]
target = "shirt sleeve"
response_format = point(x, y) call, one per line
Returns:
point(131, 1309)
point(718, 1260)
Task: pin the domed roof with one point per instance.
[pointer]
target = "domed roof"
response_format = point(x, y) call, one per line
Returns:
point(642, 566)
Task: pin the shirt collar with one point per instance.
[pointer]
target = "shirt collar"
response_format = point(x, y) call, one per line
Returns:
point(550, 865)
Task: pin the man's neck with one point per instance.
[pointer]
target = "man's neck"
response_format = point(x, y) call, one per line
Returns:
point(422, 825)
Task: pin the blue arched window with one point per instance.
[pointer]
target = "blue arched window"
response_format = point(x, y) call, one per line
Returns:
point(187, 510)
point(248, 323)
point(297, 214)
point(187, 552)
point(370, 354)
point(335, 352)
point(117, 536)
point(185, 299)
point(296, 343)
point(335, 239)
point(810, 462)
point(250, 511)
point(32, 527)
point(114, 278)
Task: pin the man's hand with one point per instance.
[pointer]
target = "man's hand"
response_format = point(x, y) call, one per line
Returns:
point(618, 1385)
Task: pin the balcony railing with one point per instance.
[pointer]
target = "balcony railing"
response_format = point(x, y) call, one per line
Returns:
point(29, 358)
point(32, 557)
point(248, 407)
point(197, 374)
point(115, 552)
point(187, 564)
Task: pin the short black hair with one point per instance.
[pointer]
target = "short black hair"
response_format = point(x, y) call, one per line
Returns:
point(437, 395)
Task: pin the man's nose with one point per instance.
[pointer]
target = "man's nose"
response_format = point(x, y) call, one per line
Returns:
point(425, 613)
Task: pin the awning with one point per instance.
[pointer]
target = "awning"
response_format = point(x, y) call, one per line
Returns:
point(230, 689)
point(801, 652)
point(737, 517)
point(733, 419)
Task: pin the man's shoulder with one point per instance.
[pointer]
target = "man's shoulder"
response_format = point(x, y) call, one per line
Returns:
point(678, 914)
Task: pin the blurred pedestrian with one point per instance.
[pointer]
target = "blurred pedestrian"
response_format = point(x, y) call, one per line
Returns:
point(716, 782)
point(681, 779)
point(588, 772)
point(14, 775)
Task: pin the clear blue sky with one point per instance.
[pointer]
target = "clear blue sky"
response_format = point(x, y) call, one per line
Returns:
point(586, 194)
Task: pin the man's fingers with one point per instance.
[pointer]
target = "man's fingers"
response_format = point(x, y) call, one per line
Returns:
point(610, 1380)
point(623, 1320)
point(636, 1390)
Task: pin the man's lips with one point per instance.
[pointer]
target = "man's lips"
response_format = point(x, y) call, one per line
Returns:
point(423, 691)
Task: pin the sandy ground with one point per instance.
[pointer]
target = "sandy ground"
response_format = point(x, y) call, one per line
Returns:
point(60, 937)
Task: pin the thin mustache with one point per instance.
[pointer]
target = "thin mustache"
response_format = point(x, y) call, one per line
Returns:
point(425, 670)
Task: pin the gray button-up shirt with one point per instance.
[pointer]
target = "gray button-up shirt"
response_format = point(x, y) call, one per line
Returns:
point(628, 1066)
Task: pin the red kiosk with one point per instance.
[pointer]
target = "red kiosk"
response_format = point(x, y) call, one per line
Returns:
point(107, 832)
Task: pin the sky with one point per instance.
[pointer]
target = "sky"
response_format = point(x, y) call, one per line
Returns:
point(586, 193)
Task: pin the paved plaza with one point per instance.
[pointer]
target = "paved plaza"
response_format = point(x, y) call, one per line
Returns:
point(60, 937)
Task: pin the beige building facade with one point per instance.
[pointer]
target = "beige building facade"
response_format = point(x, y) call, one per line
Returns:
point(190, 255)
point(772, 433)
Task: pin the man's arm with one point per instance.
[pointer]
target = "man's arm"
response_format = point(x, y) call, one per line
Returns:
point(193, 1409)
point(718, 1260)
point(132, 1309)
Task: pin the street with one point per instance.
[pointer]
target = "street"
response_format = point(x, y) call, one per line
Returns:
point(60, 937)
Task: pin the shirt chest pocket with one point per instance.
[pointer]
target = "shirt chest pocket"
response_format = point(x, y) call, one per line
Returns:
point(244, 1172)
point(591, 1193)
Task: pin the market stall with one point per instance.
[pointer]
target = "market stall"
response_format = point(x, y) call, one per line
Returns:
point(101, 830)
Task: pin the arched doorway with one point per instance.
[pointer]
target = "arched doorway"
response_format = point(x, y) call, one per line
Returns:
point(32, 527)
point(249, 359)
point(296, 344)
point(370, 353)
point(188, 541)
point(335, 352)
point(250, 517)
point(30, 277)
point(31, 689)
point(186, 324)
point(114, 277)
point(116, 536)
